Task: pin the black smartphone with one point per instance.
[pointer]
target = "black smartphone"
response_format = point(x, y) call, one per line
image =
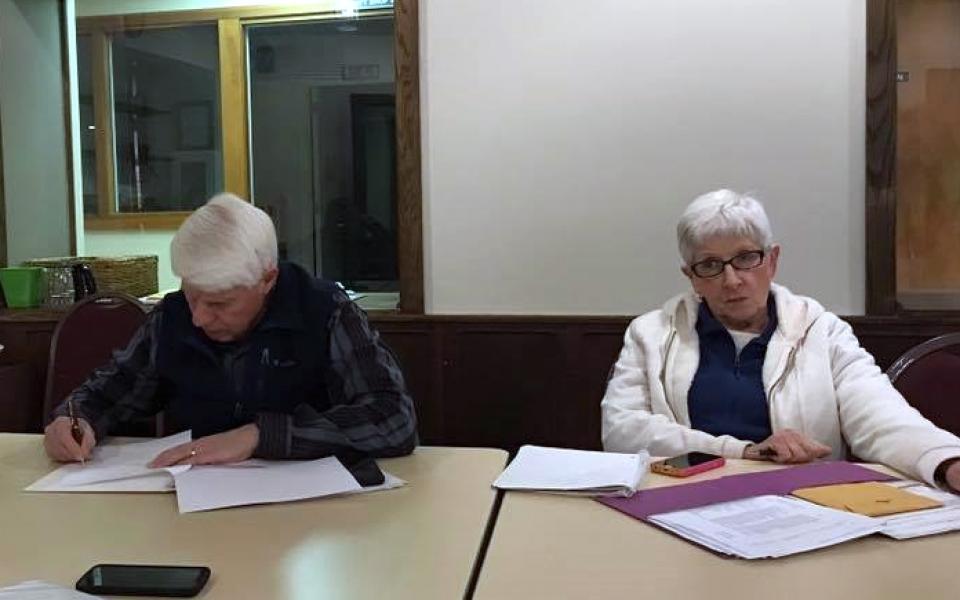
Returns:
point(144, 580)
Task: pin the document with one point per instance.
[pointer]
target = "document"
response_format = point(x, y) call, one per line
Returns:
point(870, 498)
point(581, 472)
point(123, 468)
point(261, 482)
point(120, 467)
point(766, 526)
point(925, 522)
point(40, 590)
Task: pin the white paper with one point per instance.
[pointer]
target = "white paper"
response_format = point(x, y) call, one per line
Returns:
point(261, 482)
point(116, 468)
point(39, 590)
point(767, 526)
point(928, 521)
point(580, 471)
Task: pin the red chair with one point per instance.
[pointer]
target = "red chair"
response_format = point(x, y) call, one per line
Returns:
point(928, 376)
point(85, 339)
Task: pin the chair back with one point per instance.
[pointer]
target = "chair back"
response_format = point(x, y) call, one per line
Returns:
point(928, 376)
point(85, 339)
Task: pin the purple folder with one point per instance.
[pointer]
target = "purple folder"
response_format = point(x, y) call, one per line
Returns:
point(734, 487)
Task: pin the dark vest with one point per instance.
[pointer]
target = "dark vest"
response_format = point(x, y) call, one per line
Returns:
point(284, 364)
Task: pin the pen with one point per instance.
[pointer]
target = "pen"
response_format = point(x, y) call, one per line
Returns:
point(75, 430)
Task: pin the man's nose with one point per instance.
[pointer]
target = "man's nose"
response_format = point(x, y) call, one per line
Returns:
point(201, 316)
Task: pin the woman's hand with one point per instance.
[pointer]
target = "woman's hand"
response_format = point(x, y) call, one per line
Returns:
point(228, 447)
point(787, 446)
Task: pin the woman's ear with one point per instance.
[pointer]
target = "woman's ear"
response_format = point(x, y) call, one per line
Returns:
point(774, 259)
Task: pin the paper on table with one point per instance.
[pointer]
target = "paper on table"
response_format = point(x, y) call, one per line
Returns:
point(926, 522)
point(116, 468)
point(870, 498)
point(40, 590)
point(537, 468)
point(766, 526)
point(212, 487)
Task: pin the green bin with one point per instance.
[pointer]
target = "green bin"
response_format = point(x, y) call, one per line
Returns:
point(21, 286)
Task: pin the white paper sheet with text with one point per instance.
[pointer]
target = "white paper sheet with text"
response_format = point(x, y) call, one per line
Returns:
point(767, 526)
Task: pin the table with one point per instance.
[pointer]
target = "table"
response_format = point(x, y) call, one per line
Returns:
point(419, 541)
point(554, 547)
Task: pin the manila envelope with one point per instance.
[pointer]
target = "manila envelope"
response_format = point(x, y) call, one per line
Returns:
point(871, 498)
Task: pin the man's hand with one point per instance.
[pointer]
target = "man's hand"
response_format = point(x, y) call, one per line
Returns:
point(60, 445)
point(227, 447)
point(787, 446)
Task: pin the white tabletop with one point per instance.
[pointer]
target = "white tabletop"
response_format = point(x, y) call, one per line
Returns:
point(419, 541)
point(557, 547)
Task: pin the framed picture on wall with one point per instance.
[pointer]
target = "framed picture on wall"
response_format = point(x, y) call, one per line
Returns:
point(195, 126)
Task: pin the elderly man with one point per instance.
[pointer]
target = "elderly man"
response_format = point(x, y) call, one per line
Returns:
point(257, 358)
point(742, 367)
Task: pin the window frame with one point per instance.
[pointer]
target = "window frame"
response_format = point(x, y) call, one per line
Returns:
point(234, 125)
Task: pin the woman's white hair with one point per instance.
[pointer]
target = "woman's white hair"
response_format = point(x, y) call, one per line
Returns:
point(224, 244)
point(722, 213)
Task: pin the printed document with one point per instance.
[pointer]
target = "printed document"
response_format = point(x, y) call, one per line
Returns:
point(581, 472)
point(767, 526)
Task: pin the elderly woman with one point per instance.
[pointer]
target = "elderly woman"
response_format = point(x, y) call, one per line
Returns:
point(742, 367)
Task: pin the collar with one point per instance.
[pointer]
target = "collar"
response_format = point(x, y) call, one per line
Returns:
point(707, 324)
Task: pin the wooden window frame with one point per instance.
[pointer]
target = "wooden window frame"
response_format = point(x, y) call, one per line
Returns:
point(881, 159)
point(234, 126)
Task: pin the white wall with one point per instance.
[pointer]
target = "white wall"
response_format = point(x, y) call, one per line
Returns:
point(561, 142)
point(34, 147)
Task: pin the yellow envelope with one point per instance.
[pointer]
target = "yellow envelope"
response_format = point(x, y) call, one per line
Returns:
point(872, 498)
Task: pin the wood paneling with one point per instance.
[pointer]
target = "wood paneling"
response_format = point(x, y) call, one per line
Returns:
point(233, 108)
point(493, 381)
point(881, 130)
point(409, 186)
point(103, 121)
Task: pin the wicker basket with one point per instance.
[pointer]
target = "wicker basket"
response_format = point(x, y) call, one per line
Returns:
point(134, 275)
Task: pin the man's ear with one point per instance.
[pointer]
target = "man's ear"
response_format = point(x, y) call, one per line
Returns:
point(270, 279)
point(686, 272)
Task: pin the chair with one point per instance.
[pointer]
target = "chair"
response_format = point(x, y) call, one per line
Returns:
point(928, 376)
point(85, 339)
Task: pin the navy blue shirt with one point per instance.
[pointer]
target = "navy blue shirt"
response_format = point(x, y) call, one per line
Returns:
point(727, 395)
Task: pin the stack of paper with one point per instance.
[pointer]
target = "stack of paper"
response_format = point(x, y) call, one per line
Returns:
point(925, 522)
point(123, 468)
point(116, 468)
point(40, 590)
point(581, 472)
point(766, 526)
point(263, 482)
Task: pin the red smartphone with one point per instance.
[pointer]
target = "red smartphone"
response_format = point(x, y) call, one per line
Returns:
point(687, 464)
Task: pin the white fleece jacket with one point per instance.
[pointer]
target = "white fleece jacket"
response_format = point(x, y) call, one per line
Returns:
point(817, 378)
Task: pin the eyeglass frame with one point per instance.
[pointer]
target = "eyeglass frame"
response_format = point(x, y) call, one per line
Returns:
point(723, 263)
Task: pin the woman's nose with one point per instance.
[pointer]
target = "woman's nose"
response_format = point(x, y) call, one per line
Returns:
point(730, 277)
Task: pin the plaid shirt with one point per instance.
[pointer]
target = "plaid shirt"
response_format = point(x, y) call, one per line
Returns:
point(371, 411)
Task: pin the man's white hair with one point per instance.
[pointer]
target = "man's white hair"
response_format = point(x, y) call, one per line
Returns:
point(224, 244)
point(722, 213)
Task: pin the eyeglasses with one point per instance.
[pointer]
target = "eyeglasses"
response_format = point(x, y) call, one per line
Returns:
point(711, 267)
